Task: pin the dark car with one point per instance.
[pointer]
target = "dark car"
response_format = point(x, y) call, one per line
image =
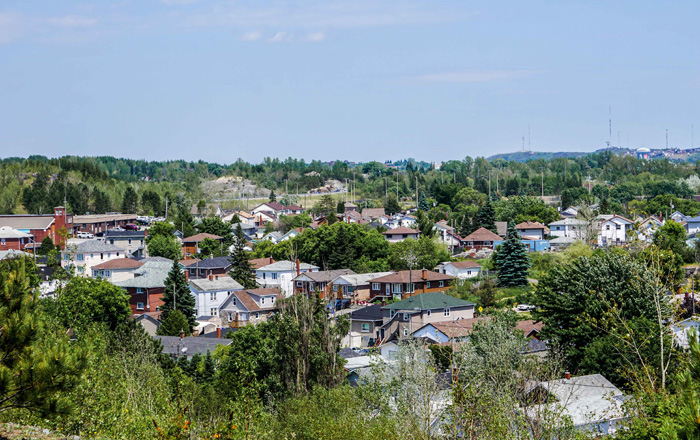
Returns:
point(131, 227)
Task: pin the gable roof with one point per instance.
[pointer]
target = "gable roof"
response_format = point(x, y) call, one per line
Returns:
point(501, 228)
point(124, 234)
point(361, 279)
point(200, 237)
point(208, 263)
point(119, 263)
point(325, 276)
point(569, 222)
point(414, 276)
point(615, 217)
point(224, 282)
point(151, 274)
point(529, 325)
point(373, 212)
point(483, 234)
point(293, 208)
point(94, 246)
point(257, 263)
point(456, 329)
point(8, 232)
point(43, 222)
point(369, 313)
point(463, 264)
point(427, 301)
point(286, 265)
point(244, 296)
point(530, 225)
point(401, 230)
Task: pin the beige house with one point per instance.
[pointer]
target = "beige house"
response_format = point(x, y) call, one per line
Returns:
point(249, 306)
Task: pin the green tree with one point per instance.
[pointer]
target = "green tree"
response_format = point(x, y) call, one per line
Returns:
point(177, 296)
point(512, 260)
point(185, 221)
point(423, 202)
point(671, 236)
point(216, 226)
point(273, 197)
point(211, 248)
point(101, 201)
point(425, 225)
point(392, 205)
point(164, 246)
point(46, 246)
point(427, 254)
point(85, 301)
point(486, 217)
point(130, 201)
point(487, 294)
point(241, 270)
point(38, 367)
point(173, 324)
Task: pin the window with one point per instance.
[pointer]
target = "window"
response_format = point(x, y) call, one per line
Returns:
point(263, 275)
point(410, 288)
point(257, 315)
point(230, 316)
point(129, 241)
point(376, 286)
point(212, 296)
point(607, 227)
point(2, 241)
point(397, 288)
point(80, 257)
point(428, 285)
point(405, 235)
point(274, 275)
point(447, 312)
point(102, 256)
point(109, 255)
point(139, 290)
point(192, 272)
point(262, 300)
point(442, 284)
point(405, 316)
point(66, 257)
point(107, 273)
point(234, 301)
point(387, 288)
point(365, 328)
point(139, 306)
point(111, 241)
point(81, 269)
point(429, 312)
point(405, 332)
point(299, 284)
point(617, 227)
point(469, 272)
point(392, 313)
point(213, 311)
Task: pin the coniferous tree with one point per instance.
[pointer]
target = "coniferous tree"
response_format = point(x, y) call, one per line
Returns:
point(184, 222)
point(241, 271)
point(273, 197)
point(175, 323)
point(392, 205)
point(486, 217)
point(130, 202)
point(604, 206)
point(512, 260)
point(423, 202)
point(177, 296)
point(46, 246)
point(101, 201)
point(425, 224)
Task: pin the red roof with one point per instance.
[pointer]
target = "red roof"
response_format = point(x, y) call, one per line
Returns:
point(483, 234)
point(260, 262)
point(528, 326)
point(530, 225)
point(277, 206)
point(465, 264)
point(200, 237)
point(294, 208)
point(412, 276)
point(401, 230)
point(119, 263)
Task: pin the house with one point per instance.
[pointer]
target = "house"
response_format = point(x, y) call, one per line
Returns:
point(100, 223)
point(292, 210)
point(678, 216)
point(275, 237)
point(364, 326)
point(146, 288)
point(400, 234)
point(246, 218)
point(131, 241)
point(188, 346)
point(11, 238)
point(271, 209)
point(204, 268)
point(407, 283)
point(89, 253)
point(14, 253)
point(407, 222)
point(349, 206)
point(371, 214)
point(646, 228)
point(535, 245)
point(692, 225)
point(482, 238)
point(592, 403)
point(148, 322)
point(249, 306)
point(459, 269)
point(569, 227)
point(291, 234)
point(442, 332)
point(190, 245)
point(681, 329)
point(569, 212)
point(614, 231)
point(402, 318)
point(501, 228)
point(41, 226)
point(211, 292)
point(118, 269)
point(257, 263)
point(357, 286)
point(320, 282)
point(271, 274)
point(561, 243)
point(532, 230)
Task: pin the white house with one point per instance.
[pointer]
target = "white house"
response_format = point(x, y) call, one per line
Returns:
point(271, 275)
point(249, 306)
point(614, 231)
point(459, 269)
point(210, 293)
point(569, 227)
point(89, 253)
point(681, 329)
point(692, 225)
point(446, 331)
point(647, 228)
point(400, 234)
point(118, 269)
point(532, 230)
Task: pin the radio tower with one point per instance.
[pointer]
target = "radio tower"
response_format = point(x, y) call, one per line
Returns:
point(609, 125)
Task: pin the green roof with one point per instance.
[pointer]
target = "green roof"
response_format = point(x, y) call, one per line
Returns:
point(430, 300)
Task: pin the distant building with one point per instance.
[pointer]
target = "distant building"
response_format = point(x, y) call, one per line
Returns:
point(88, 254)
point(41, 226)
point(100, 223)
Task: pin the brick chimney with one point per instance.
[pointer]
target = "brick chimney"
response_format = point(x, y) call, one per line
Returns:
point(383, 302)
point(211, 277)
point(567, 375)
point(424, 275)
point(182, 334)
point(271, 260)
point(297, 262)
point(218, 332)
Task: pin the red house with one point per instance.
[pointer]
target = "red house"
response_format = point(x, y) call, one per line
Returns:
point(146, 288)
point(40, 226)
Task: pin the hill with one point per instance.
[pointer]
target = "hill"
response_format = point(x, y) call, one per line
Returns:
point(524, 156)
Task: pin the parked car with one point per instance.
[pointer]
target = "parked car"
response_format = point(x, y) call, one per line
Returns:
point(82, 234)
point(131, 227)
point(525, 308)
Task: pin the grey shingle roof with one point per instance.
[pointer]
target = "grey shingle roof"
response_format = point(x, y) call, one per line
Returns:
point(209, 263)
point(96, 246)
point(286, 265)
point(174, 344)
point(223, 283)
point(151, 274)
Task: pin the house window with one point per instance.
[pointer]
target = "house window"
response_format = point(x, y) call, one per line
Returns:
point(387, 288)
point(262, 300)
point(410, 288)
point(213, 311)
point(139, 306)
point(428, 285)
point(129, 241)
point(107, 273)
point(230, 316)
point(299, 284)
point(397, 288)
point(212, 296)
point(365, 328)
point(274, 275)
point(257, 316)
point(617, 227)
point(80, 257)
point(447, 312)
point(102, 256)
point(405, 332)
point(109, 255)
point(392, 313)
point(442, 284)
point(2, 241)
point(234, 301)
point(139, 290)
point(263, 275)
point(66, 257)
point(405, 316)
point(607, 227)
point(469, 272)
point(375, 286)
point(111, 241)
point(405, 235)
point(192, 272)
point(81, 269)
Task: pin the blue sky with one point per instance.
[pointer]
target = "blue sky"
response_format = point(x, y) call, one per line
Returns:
point(358, 80)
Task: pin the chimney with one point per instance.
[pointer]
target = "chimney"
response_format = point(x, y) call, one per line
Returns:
point(218, 332)
point(211, 277)
point(298, 267)
point(383, 302)
point(567, 375)
point(182, 335)
point(424, 275)
point(271, 260)
point(187, 275)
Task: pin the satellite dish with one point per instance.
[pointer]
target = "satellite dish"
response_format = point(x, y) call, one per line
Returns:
point(183, 350)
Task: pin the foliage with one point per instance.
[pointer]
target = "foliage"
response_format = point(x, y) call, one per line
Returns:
point(671, 236)
point(422, 202)
point(185, 221)
point(161, 242)
point(216, 226)
point(289, 222)
point(241, 270)
point(173, 324)
point(177, 296)
point(211, 248)
point(392, 205)
point(37, 365)
point(46, 246)
point(130, 201)
point(486, 217)
point(427, 252)
point(487, 294)
point(425, 225)
point(512, 260)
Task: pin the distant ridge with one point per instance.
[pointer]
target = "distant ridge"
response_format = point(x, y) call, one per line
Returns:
point(672, 154)
point(524, 156)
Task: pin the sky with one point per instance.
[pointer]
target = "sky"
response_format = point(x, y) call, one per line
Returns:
point(356, 80)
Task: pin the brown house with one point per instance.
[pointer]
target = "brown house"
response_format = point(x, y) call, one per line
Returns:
point(406, 283)
point(190, 245)
point(482, 238)
point(320, 282)
point(146, 288)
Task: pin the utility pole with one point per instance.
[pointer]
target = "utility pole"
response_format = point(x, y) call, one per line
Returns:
point(166, 208)
point(416, 192)
point(542, 184)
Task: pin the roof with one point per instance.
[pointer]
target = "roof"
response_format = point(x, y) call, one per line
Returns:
point(326, 275)
point(12, 253)
point(190, 345)
point(369, 313)
point(347, 353)
point(101, 218)
point(563, 240)
point(457, 329)
point(430, 300)
point(200, 237)
point(286, 265)
point(244, 296)
point(529, 325)
point(119, 263)
point(463, 264)
point(408, 276)
point(361, 279)
point(373, 212)
point(42, 222)
point(94, 246)
point(293, 208)
point(569, 222)
point(151, 274)
point(530, 225)
point(614, 217)
point(224, 282)
point(257, 263)
point(483, 234)
point(208, 263)
point(401, 230)
point(126, 234)
point(8, 232)
point(501, 228)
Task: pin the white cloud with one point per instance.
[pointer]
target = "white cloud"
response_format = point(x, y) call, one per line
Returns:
point(475, 76)
point(281, 37)
point(251, 36)
point(72, 21)
point(315, 37)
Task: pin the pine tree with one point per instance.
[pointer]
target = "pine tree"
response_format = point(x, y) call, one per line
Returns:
point(486, 217)
point(423, 202)
point(241, 269)
point(512, 260)
point(392, 205)
point(130, 202)
point(173, 324)
point(177, 296)
point(425, 224)
point(273, 197)
point(46, 246)
point(604, 207)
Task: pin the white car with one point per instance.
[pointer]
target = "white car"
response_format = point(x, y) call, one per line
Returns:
point(525, 307)
point(85, 235)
